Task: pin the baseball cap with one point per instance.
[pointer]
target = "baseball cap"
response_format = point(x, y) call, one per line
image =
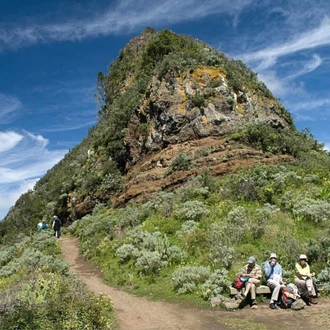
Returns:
point(273, 255)
point(303, 256)
point(251, 260)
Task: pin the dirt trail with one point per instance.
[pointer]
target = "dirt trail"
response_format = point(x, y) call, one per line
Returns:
point(136, 313)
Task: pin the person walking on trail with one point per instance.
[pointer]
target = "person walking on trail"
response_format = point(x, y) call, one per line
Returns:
point(304, 280)
point(253, 273)
point(273, 273)
point(56, 226)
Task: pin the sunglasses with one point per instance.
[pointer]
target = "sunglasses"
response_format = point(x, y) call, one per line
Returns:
point(273, 258)
point(303, 259)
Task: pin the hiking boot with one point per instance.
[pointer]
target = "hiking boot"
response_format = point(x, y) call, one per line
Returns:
point(272, 306)
point(254, 305)
point(313, 301)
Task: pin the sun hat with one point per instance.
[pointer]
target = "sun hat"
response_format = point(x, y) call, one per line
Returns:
point(273, 255)
point(251, 260)
point(303, 256)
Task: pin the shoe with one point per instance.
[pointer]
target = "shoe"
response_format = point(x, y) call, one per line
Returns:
point(313, 301)
point(254, 305)
point(242, 296)
point(272, 306)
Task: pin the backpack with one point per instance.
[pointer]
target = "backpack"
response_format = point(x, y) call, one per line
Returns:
point(289, 295)
point(238, 283)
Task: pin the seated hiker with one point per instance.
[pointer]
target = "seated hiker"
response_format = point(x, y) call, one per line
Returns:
point(304, 280)
point(252, 272)
point(42, 225)
point(273, 273)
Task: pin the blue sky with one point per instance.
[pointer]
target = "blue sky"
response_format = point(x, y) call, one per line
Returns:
point(51, 52)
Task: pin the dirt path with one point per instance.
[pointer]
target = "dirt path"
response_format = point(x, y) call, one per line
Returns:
point(136, 313)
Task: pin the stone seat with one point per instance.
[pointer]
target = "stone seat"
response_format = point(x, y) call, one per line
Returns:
point(262, 289)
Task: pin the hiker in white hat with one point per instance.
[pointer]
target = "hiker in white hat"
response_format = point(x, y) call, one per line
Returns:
point(304, 280)
point(273, 273)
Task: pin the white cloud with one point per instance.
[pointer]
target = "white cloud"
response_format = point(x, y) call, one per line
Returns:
point(127, 16)
point(316, 37)
point(310, 104)
point(9, 140)
point(22, 162)
point(8, 105)
point(307, 67)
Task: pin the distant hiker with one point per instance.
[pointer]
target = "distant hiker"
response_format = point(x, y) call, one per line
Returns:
point(42, 225)
point(253, 273)
point(273, 273)
point(56, 226)
point(304, 281)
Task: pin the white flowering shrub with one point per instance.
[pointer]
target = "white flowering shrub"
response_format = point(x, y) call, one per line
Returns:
point(262, 217)
point(215, 285)
point(189, 279)
point(130, 216)
point(162, 203)
point(188, 226)
point(6, 255)
point(150, 262)
point(127, 251)
point(192, 210)
point(311, 209)
point(146, 245)
point(237, 225)
point(283, 178)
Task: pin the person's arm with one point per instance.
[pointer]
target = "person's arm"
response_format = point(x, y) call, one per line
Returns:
point(53, 224)
point(267, 269)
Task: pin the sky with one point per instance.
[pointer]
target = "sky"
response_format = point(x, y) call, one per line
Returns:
point(52, 50)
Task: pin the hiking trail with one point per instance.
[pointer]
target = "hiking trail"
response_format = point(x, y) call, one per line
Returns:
point(138, 313)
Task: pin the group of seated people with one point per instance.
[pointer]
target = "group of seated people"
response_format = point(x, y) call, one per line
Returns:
point(252, 272)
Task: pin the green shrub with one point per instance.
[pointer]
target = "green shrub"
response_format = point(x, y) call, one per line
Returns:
point(180, 163)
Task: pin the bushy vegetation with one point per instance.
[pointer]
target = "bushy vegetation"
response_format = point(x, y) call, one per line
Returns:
point(37, 292)
point(192, 241)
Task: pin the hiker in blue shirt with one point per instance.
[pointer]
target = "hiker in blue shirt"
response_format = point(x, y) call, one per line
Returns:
point(273, 273)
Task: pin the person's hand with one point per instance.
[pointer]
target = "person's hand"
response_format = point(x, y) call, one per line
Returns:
point(313, 274)
point(272, 264)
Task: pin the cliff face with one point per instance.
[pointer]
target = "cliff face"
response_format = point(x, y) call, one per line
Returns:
point(193, 113)
point(183, 108)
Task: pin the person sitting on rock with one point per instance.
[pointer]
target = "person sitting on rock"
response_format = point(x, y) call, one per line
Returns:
point(304, 280)
point(253, 273)
point(273, 273)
